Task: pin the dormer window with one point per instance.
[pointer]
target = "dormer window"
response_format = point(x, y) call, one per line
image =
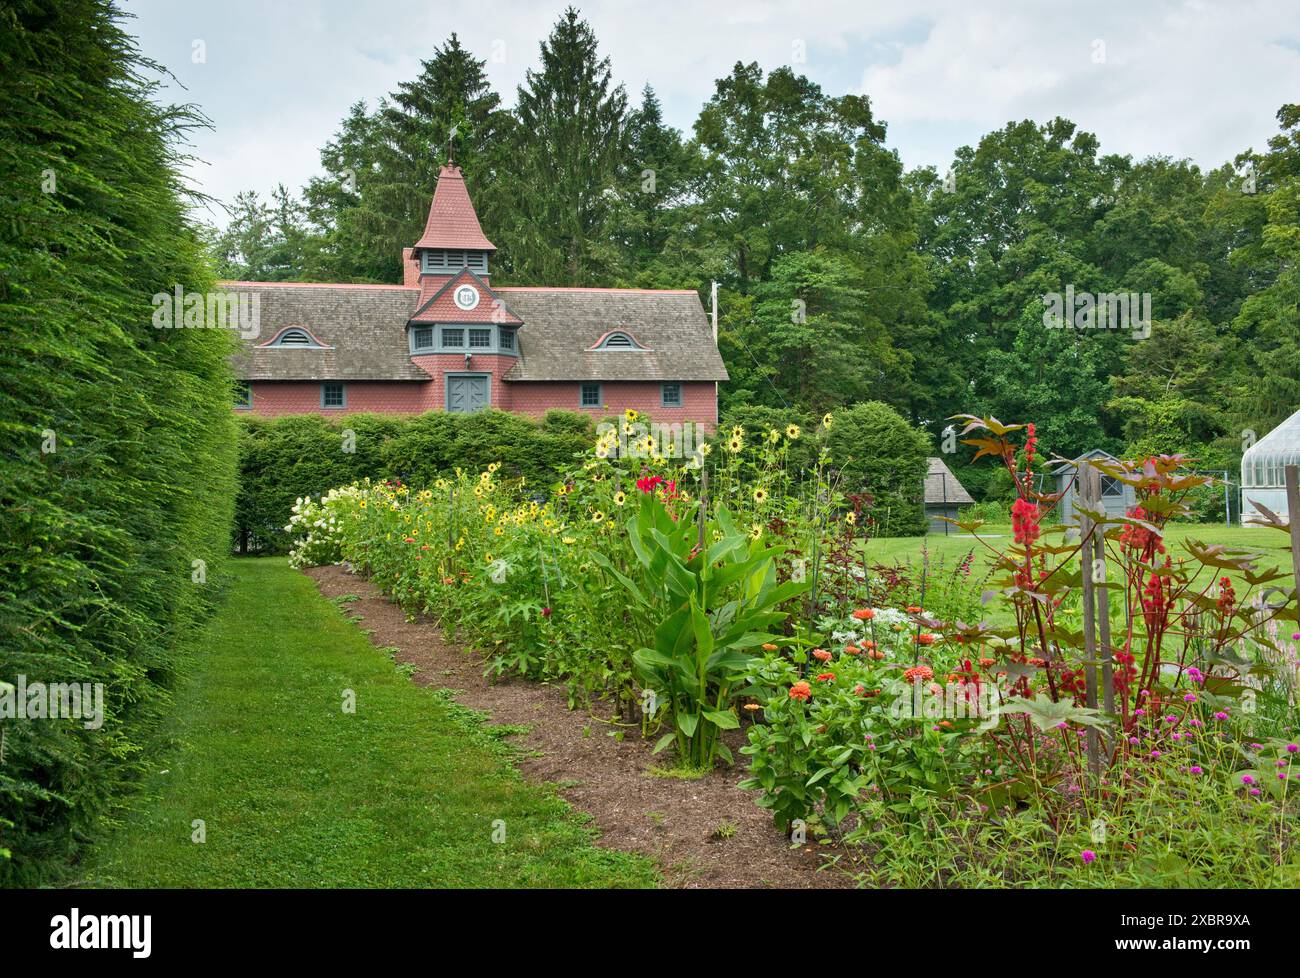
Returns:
point(296, 337)
point(618, 340)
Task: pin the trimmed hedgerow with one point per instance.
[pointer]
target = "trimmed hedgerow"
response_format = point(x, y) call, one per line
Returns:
point(306, 455)
point(116, 438)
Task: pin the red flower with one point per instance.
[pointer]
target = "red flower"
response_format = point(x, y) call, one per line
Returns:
point(918, 672)
point(821, 655)
point(649, 483)
point(800, 691)
point(825, 677)
point(864, 614)
point(1024, 521)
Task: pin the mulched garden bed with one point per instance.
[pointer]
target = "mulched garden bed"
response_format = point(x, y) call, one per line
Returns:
point(704, 833)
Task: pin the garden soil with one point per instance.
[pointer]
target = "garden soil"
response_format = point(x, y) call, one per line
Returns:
point(704, 833)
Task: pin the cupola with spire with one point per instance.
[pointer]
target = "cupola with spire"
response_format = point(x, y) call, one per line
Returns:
point(453, 239)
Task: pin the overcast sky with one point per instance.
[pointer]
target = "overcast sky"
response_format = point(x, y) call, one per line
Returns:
point(1184, 78)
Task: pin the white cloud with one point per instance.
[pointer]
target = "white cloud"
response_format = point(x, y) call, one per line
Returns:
point(1194, 79)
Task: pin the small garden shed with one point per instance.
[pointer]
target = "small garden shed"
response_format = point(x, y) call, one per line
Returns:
point(943, 496)
point(1116, 498)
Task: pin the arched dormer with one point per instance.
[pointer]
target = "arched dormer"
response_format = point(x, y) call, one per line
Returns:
point(618, 339)
point(295, 338)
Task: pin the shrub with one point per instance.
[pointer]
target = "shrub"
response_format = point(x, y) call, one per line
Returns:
point(284, 459)
point(118, 442)
point(879, 453)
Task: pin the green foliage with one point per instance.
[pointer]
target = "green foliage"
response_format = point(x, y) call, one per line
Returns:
point(570, 143)
point(880, 454)
point(118, 442)
point(709, 606)
point(301, 455)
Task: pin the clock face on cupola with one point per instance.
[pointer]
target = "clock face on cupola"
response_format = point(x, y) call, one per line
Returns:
point(458, 312)
point(466, 297)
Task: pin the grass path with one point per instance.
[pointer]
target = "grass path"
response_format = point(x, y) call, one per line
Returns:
point(296, 792)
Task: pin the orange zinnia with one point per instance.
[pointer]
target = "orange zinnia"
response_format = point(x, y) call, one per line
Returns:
point(918, 672)
point(913, 609)
point(864, 614)
point(769, 647)
point(925, 638)
point(800, 691)
point(851, 650)
point(821, 655)
point(825, 677)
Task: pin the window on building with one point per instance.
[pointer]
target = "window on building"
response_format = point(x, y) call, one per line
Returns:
point(295, 337)
point(422, 338)
point(1111, 487)
point(450, 260)
point(590, 396)
point(453, 338)
point(480, 339)
point(619, 341)
point(670, 395)
point(243, 394)
point(333, 395)
point(507, 338)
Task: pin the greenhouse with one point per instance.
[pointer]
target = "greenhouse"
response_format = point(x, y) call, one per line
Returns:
point(1262, 469)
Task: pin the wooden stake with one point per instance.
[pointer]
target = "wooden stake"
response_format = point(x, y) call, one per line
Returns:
point(1090, 492)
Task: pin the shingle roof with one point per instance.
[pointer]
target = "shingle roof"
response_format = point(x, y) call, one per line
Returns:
point(363, 324)
point(441, 306)
point(561, 324)
point(365, 328)
point(453, 222)
point(942, 486)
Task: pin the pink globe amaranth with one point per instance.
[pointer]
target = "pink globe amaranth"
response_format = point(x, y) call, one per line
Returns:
point(1247, 779)
point(1292, 748)
point(1197, 769)
point(1087, 856)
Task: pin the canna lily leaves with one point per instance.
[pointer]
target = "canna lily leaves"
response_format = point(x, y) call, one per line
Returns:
point(724, 719)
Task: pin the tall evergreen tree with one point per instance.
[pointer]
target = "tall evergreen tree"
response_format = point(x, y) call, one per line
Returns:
point(570, 143)
point(382, 167)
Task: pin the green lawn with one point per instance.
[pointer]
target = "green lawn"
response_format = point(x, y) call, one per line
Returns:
point(945, 552)
point(954, 547)
point(295, 792)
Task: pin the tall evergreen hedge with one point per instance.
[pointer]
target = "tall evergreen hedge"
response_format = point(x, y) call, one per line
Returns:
point(117, 445)
point(300, 455)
